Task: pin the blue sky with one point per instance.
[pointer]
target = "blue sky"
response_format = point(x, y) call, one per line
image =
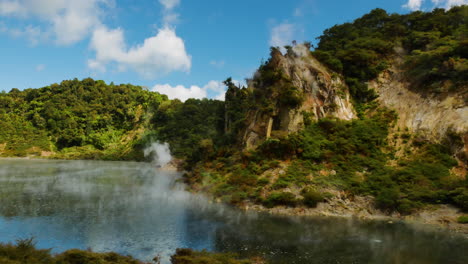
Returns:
point(183, 48)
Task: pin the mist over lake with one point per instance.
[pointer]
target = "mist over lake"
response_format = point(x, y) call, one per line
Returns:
point(134, 208)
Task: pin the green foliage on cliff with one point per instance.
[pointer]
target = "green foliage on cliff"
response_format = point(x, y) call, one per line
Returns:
point(351, 156)
point(434, 45)
point(273, 88)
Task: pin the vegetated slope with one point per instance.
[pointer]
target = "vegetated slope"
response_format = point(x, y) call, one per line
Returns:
point(417, 64)
point(290, 147)
point(75, 119)
point(434, 45)
point(90, 119)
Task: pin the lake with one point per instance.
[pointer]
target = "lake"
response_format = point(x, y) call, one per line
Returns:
point(133, 208)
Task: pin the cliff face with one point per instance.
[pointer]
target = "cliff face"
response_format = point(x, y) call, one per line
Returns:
point(437, 118)
point(318, 92)
point(322, 93)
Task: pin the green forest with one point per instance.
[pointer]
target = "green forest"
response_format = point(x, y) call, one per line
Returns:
point(433, 46)
point(89, 119)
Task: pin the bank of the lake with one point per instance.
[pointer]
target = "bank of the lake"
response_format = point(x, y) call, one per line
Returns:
point(342, 205)
point(443, 217)
point(133, 208)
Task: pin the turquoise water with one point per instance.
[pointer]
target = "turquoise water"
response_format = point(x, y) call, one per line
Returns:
point(132, 208)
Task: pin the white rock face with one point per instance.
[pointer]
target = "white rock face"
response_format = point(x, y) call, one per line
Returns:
point(324, 95)
point(430, 116)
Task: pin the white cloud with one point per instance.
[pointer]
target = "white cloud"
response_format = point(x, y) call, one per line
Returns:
point(217, 64)
point(282, 34)
point(158, 55)
point(10, 7)
point(32, 33)
point(414, 5)
point(40, 67)
point(68, 21)
point(169, 16)
point(450, 3)
point(183, 93)
point(298, 12)
point(180, 92)
point(169, 4)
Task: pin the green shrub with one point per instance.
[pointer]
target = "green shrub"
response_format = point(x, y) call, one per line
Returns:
point(387, 199)
point(460, 198)
point(263, 182)
point(281, 183)
point(189, 256)
point(280, 198)
point(276, 148)
point(238, 197)
point(25, 252)
point(242, 177)
point(463, 219)
point(311, 197)
point(406, 206)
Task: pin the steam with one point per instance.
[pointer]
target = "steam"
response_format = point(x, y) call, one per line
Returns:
point(159, 153)
point(301, 50)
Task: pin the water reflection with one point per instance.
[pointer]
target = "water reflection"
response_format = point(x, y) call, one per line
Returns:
point(133, 209)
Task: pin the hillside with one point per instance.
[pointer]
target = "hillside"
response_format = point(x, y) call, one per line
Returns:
point(90, 119)
point(360, 120)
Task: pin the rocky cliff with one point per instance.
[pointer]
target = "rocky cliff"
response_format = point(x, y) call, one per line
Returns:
point(299, 88)
point(294, 88)
point(439, 118)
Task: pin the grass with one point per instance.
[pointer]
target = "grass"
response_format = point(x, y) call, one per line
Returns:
point(25, 252)
point(463, 219)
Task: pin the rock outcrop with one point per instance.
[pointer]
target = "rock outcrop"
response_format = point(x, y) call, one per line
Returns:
point(436, 118)
point(317, 92)
point(321, 93)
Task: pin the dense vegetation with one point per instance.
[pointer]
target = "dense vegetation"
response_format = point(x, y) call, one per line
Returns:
point(75, 117)
point(353, 156)
point(356, 157)
point(191, 128)
point(90, 119)
point(25, 252)
point(433, 45)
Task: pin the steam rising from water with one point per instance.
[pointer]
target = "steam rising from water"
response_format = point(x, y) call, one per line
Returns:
point(133, 208)
point(159, 153)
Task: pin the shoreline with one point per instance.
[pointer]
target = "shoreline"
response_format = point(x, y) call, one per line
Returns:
point(441, 217)
point(445, 223)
